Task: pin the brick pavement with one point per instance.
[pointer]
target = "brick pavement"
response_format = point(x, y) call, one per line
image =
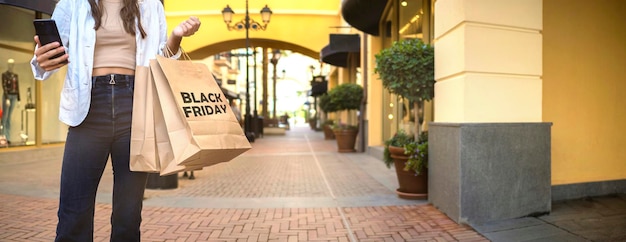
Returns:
point(33, 219)
point(287, 188)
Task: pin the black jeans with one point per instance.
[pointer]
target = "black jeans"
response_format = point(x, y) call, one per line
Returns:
point(105, 131)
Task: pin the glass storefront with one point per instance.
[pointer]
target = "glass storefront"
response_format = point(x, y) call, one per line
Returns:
point(29, 107)
point(404, 19)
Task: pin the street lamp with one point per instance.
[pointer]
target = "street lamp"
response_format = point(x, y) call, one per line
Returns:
point(275, 57)
point(247, 24)
point(312, 68)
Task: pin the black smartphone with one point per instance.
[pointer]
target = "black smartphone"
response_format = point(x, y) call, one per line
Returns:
point(47, 31)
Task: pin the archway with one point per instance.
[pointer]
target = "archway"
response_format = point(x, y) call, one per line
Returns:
point(228, 45)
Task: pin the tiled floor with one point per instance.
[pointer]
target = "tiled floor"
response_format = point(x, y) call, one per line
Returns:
point(295, 187)
point(590, 219)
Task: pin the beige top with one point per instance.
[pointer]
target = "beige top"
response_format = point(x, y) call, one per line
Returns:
point(114, 47)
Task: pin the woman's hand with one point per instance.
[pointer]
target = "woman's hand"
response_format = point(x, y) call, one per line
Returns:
point(187, 27)
point(184, 29)
point(44, 53)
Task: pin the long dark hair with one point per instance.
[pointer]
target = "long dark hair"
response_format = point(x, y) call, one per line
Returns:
point(129, 13)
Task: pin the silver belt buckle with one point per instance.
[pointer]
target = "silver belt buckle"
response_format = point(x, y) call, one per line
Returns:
point(112, 81)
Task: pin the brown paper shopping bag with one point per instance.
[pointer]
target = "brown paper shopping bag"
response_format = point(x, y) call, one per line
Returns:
point(143, 152)
point(201, 127)
point(164, 148)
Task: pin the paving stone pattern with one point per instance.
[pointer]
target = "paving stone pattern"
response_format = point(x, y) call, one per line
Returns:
point(295, 187)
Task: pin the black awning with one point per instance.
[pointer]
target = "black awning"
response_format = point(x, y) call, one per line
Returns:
point(363, 15)
point(44, 6)
point(341, 45)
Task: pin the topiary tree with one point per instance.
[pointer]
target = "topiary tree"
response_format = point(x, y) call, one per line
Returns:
point(407, 69)
point(326, 105)
point(347, 96)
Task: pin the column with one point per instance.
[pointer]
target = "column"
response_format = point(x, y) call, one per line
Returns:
point(489, 150)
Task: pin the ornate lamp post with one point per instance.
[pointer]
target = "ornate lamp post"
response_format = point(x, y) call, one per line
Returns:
point(312, 68)
point(247, 24)
point(275, 57)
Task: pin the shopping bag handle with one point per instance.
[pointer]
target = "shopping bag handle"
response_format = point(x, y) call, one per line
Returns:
point(170, 53)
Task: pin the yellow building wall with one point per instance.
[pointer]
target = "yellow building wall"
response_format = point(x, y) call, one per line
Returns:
point(299, 25)
point(584, 88)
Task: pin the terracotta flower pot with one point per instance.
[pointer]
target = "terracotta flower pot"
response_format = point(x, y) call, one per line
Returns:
point(313, 123)
point(346, 139)
point(328, 132)
point(411, 186)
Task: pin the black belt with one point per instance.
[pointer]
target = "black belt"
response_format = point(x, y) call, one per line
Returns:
point(114, 79)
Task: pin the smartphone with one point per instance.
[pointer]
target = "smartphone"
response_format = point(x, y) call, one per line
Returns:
point(47, 31)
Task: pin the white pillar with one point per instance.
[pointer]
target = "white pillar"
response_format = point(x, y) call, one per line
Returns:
point(489, 152)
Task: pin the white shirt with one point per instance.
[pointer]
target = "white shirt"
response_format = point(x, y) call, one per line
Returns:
point(76, 27)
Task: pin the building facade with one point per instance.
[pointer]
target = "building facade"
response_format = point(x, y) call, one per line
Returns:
point(526, 103)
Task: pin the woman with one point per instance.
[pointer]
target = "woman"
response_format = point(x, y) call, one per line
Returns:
point(104, 40)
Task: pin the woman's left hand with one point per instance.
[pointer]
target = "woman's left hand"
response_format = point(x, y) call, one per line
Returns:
point(187, 27)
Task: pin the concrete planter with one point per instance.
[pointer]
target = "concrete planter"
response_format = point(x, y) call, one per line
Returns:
point(482, 172)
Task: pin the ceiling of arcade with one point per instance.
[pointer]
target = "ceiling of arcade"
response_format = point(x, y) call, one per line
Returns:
point(300, 26)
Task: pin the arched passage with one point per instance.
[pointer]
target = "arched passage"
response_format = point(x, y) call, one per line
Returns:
point(302, 27)
point(216, 48)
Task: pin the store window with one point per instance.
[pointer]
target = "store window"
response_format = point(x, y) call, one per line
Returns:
point(405, 19)
point(411, 19)
point(29, 116)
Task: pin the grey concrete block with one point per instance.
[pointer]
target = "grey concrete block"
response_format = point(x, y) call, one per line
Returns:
point(444, 170)
point(488, 172)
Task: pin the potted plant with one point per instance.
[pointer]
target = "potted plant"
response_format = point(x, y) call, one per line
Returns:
point(410, 160)
point(395, 145)
point(327, 107)
point(345, 97)
point(313, 123)
point(417, 153)
point(407, 70)
point(327, 127)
